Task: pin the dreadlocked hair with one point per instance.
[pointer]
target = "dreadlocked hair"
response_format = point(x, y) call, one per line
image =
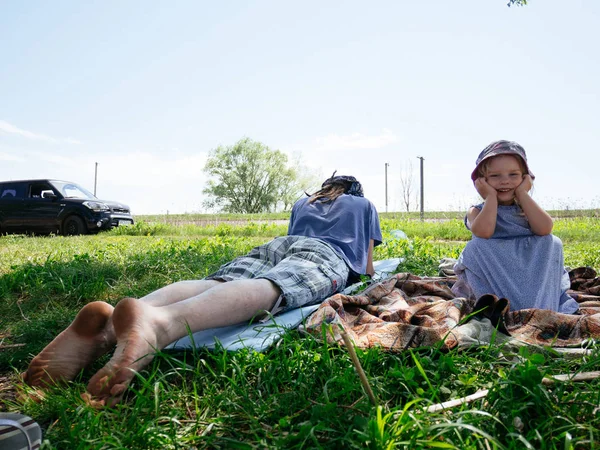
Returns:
point(334, 186)
point(327, 194)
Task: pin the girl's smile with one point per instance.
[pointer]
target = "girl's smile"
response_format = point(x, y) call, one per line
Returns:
point(504, 174)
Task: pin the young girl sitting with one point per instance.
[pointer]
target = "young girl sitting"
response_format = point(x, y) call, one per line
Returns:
point(512, 253)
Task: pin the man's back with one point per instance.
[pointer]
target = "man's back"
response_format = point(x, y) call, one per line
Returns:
point(347, 224)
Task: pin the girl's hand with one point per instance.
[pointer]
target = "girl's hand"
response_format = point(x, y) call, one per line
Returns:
point(484, 189)
point(525, 185)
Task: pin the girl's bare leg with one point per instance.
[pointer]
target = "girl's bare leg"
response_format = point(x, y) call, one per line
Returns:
point(142, 328)
point(88, 337)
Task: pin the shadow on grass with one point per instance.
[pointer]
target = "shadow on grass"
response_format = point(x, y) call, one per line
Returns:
point(40, 300)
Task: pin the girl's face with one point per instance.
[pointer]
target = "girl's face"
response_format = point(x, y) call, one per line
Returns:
point(504, 173)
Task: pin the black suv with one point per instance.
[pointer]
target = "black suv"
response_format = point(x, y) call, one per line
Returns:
point(53, 206)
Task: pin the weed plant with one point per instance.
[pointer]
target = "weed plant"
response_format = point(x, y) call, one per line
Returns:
point(303, 392)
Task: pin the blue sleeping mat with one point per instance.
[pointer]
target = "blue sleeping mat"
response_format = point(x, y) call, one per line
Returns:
point(261, 335)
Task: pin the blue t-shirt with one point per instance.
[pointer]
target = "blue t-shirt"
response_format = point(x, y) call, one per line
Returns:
point(347, 224)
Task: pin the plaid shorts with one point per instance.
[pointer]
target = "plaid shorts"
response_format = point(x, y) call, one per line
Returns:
point(307, 270)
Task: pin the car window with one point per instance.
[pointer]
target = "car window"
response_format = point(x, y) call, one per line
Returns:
point(72, 190)
point(35, 191)
point(8, 191)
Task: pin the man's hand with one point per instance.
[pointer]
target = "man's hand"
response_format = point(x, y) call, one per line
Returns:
point(525, 185)
point(484, 189)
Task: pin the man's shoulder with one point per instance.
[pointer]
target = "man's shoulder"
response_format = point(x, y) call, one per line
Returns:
point(357, 200)
point(343, 201)
point(301, 201)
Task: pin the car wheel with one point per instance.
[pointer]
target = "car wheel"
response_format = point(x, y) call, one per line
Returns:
point(73, 226)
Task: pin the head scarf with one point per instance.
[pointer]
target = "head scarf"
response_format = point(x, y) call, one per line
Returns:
point(351, 185)
point(501, 148)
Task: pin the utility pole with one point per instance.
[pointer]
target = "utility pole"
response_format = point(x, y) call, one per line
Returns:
point(95, 178)
point(422, 194)
point(386, 188)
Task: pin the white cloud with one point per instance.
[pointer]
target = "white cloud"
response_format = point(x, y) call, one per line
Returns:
point(12, 129)
point(354, 141)
point(71, 140)
point(348, 154)
point(52, 158)
point(150, 183)
point(145, 169)
point(10, 157)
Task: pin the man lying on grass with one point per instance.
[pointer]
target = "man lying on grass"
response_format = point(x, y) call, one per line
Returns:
point(330, 242)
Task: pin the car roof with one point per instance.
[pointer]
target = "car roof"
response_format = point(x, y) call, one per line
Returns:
point(34, 180)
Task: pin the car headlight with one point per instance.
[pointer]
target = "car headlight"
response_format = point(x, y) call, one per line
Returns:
point(96, 206)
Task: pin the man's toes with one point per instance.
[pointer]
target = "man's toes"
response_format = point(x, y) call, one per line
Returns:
point(34, 394)
point(99, 387)
point(34, 377)
point(118, 389)
point(92, 401)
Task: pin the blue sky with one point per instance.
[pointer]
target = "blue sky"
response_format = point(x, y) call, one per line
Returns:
point(146, 89)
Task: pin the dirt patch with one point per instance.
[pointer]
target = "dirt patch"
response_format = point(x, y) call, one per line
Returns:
point(8, 391)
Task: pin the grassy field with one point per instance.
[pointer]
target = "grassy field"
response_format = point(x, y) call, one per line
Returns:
point(302, 393)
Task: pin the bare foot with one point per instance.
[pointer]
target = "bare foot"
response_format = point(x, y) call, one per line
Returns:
point(138, 327)
point(88, 337)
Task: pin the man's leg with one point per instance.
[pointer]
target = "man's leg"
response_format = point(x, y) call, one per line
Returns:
point(179, 291)
point(91, 334)
point(142, 329)
point(88, 337)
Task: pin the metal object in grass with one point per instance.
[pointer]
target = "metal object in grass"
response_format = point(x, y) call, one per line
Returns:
point(18, 431)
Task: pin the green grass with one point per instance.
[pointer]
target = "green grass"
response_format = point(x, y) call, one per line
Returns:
point(302, 393)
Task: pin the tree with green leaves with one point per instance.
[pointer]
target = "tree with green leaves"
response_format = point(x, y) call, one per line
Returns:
point(249, 177)
point(305, 181)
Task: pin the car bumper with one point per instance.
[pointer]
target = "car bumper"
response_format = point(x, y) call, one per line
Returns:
point(106, 221)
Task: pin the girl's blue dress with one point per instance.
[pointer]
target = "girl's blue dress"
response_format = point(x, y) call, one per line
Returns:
point(515, 264)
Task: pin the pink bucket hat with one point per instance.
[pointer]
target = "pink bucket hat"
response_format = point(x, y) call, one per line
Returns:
point(501, 148)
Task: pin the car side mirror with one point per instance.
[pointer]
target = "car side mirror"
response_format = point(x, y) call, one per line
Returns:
point(50, 195)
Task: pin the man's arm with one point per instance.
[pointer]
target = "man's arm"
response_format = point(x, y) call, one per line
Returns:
point(370, 268)
point(291, 222)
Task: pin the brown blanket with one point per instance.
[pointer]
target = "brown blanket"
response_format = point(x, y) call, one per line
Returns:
point(408, 311)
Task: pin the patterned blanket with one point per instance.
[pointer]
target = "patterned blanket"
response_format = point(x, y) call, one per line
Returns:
point(408, 311)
